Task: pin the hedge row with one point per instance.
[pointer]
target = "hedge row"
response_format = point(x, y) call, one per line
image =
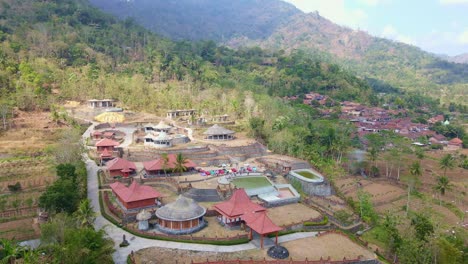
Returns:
point(321, 223)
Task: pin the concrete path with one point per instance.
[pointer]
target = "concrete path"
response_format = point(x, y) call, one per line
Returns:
point(137, 243)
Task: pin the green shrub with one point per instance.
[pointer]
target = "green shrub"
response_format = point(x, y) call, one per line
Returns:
point(321, 223)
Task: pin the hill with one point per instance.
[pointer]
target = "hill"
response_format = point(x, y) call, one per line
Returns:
point(276, 25)
point(218, 20)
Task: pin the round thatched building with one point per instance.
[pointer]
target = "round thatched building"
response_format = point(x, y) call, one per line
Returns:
point(184, 216)
point(217, 132)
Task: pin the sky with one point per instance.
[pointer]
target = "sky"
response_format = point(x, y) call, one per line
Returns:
point(438, 26)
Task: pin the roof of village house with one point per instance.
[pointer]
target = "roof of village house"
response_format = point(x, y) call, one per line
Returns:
point(238, 204)
point(107, 143)
point(260, 222)
point(120, 164)
point(182, 209)
point(455, 141)
point(134, 192)
point(439, 137)
point(218, 130)
point(158, 164)
point(97, 133)
point(162, 125)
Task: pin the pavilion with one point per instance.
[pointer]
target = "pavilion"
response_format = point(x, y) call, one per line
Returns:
point(156, 167)
point(217, 132)
point(106, 155)
point(184, 216)
point(232, 210)
point(261, 224)
point(135, 196)
point(120, 167)
point(106, 144)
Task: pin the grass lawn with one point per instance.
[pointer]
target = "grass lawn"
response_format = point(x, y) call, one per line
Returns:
point(251, 182)
point(308, 175)
point(377, 236)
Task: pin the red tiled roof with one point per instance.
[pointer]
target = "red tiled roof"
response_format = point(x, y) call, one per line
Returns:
point(107, 143)
point(120, 164)
point(238, 204)
point(260, 222)
point(97, 133)
point(134, 192)
point(157, 164)
point(455, 141)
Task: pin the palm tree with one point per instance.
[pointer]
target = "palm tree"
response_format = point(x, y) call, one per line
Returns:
point(447, 162)
point(85, 213)
point(179, 163)
point(415, 172)
point(443, 185)
point(165, 164)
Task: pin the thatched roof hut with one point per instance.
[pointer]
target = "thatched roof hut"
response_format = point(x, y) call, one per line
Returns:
point(217, 132)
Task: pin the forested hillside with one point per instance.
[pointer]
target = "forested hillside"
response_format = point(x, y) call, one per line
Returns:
point(218, 20)
point(274, 24)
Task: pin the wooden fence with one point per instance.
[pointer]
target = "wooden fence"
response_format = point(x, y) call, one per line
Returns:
point(18, 212)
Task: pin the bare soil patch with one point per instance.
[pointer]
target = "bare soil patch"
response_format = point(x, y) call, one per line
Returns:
point(291, 214)
point(334, 245)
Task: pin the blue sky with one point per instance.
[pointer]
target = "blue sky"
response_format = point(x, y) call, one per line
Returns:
point(439, 26)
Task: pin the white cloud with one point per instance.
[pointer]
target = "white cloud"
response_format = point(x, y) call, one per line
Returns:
point(335, 10)
point(391, 32)
point(463, 37)
point(453, 2)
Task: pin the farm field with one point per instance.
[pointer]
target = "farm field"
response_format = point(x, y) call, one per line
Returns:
point(25, 161)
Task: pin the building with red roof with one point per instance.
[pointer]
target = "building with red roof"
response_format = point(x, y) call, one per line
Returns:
point(261, 224)
point(455, 144)
point(157, 166)
point(120, 167)
point(106, 143)
point(135, 196)
point(232, 210)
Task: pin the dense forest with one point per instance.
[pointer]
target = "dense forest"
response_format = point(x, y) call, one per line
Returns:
point(52, 51)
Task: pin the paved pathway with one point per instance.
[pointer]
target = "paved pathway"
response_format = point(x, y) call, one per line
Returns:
point(137, 243)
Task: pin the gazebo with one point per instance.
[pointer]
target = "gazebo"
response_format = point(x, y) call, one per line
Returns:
point(157, 166)
point(232, 210)
point(261, 224)
point(106, 143)
point(135, 196)
point(184, 216)
point(120, 167)
point(217, 132)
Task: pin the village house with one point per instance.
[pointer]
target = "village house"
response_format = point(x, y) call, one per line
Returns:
point(119, 167)
point(106, 144)
point(103, 103)
point(455, 144)
point(135, 196)
point(159, 167)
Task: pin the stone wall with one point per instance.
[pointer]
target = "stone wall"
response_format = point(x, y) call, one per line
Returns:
point(313, 188)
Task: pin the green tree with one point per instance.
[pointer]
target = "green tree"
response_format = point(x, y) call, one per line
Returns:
point(180, 163)
point(423, 227)
point(85, 214)
point(366, 208)
point(412, 180)
point(66, 171)
point(9, 251)
point(442, 186)
point(447, 162)
point(61, 196)
point(165, 165)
